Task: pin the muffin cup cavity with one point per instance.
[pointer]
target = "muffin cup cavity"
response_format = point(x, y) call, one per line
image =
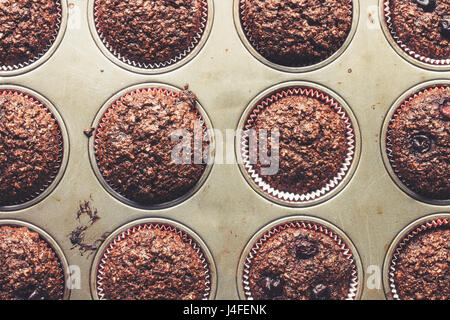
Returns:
point(63, 155)
point(188, 236)
point(12, 70)
point(335, 184)
point(300, 222)
point(401, 48)
point(48, 240)
point(386, 142)
point(249, 42)
point(172, 63)
point(403, 238)
point(109, 107)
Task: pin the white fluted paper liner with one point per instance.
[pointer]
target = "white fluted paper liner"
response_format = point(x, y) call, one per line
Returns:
point(332, 183)
point(404, 47)
point(54, 174)
point(47, 48)
point(157, 65)
point(164, 227)
point(344, 248)
point(429, 225)
point(153, 90)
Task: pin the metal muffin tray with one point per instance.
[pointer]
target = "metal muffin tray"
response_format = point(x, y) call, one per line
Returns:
point(226, 212)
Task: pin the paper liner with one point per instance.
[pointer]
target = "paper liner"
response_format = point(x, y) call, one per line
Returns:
point(346, 251)
point(289, 196)
point(43, 240)
point(156, 65)
point(163, 227)
point(245, 29)
point(429, 225)
point(403, 105)
point(48, 47)
point(52, 177)
point(107, 113)
point(413, 54)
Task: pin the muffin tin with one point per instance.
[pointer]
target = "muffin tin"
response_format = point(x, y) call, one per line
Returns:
point(226, 212)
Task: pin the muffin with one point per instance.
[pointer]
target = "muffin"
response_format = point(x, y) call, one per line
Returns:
point(418, 141)
point(422, 26)
point(296, 33)
point(30, 148)
point(297, 263)
point(422, 266)
point(150, 33)
point(135, 146)
point(30, 269)
point(313, 146)
point(153, 262)
point(28, 28)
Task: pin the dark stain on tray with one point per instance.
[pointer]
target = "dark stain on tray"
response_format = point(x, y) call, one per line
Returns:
point(78, 235)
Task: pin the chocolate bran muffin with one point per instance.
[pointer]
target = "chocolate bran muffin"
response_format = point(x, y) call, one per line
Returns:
point(154, 263)
point(312, 144)
point(300, 264)
point(422, 269)
point(30, 148)
point(297, 33)
point(150, 32)
point(423, 26)
point(30, 269)
point(418, 142)
point(133, 146)
point(27, 29)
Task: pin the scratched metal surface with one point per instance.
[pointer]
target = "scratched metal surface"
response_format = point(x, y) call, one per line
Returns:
point(227, 212)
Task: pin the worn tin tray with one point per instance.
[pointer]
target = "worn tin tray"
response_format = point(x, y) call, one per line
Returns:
point(226, 212)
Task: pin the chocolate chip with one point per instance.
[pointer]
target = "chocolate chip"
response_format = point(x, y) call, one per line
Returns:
point(421, 143)
point(444, 109)
point(321, 292)
point(272, 286)
point(305, 249)
point(427, 5)
point(445, 25)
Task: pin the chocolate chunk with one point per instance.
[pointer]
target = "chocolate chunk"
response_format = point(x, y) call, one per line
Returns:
point(445, 25)
point(305, 249)
point(89, 132)
point(37, 294)
point(427, 5)
point(272, 286)
point(321, 292)
point(421, 143)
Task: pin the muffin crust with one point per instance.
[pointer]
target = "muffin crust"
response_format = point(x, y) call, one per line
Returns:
point(30, 269)
point(419, 137)
point(27, 29)
point(149, 32)
point(297, 33)
point(300, 264)
point(312, 143)
point(30, 148)
point(154, 264)
point(134, 146)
